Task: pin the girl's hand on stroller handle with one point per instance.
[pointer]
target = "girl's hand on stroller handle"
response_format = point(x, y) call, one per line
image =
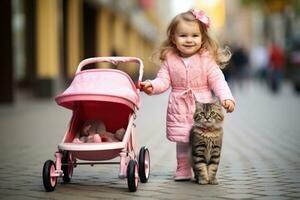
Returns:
point(146, 86)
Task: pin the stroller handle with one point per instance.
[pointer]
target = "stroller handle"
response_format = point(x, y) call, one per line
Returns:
point(113, 60)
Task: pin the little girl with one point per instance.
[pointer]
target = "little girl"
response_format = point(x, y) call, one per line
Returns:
point(191, 62)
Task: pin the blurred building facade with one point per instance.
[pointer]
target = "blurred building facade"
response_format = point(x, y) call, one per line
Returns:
point(46, 39)
point(261, 24)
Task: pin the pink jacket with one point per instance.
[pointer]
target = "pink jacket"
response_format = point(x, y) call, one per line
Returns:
point(188, 84)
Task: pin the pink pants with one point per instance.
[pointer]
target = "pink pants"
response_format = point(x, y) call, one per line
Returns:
point(183, 160)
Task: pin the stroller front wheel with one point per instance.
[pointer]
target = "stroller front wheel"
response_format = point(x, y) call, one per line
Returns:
point(132, 176)
point(48, 181)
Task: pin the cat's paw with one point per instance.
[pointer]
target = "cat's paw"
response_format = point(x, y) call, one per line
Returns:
point(214, 181)
point(202, 181)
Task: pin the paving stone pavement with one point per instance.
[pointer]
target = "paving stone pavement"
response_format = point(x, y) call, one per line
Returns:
point(260, 157)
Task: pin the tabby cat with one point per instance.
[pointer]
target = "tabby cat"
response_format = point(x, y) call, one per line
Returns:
point(206, 141)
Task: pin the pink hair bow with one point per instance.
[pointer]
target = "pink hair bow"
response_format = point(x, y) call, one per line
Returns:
point(201, 16)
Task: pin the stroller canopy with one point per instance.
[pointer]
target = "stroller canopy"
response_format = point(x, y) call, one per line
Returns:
point(100, 85)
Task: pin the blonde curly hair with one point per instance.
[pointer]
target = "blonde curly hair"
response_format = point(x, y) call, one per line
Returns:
point(221, 55)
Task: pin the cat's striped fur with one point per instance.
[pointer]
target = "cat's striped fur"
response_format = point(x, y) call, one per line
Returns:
point(206, 141)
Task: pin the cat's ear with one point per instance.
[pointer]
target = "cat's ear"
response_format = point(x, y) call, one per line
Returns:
point(218, 102)
point(198, 105)
point(219, 105)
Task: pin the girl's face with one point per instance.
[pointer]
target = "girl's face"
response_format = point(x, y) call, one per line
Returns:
point(187, 38)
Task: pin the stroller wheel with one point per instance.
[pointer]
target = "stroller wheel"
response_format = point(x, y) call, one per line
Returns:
point(144, 164)
point(49, 182)
point(67, 166)
point(132, 176)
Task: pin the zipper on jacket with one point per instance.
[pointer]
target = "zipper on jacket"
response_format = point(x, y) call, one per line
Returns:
point(187, 77)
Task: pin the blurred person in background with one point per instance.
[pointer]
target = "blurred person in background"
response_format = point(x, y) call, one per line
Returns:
point(276, 67)
point(240, 64)
point(292, 61)
point(191, 62)
point(259, 59)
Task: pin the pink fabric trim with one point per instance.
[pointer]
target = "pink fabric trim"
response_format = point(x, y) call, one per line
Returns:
point(69, 100)
point(100, 85)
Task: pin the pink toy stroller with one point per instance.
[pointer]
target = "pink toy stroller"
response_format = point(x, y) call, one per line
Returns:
point(111, 96)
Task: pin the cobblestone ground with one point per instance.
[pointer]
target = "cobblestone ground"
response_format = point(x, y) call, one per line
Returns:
point(260, 158)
